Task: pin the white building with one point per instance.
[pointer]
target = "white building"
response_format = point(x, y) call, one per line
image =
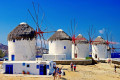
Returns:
point(22, 53)
point(100, 49)
point(60, 45)
point(33, 67)
point(81, 48)
point(21, 43)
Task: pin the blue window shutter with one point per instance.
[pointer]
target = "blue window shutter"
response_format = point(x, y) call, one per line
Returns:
point(13, 57)
point(23, 64)
point(64, 47)
point(13, 40)
point(37, 66)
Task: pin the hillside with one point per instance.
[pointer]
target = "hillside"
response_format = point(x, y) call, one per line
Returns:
point(4, 48)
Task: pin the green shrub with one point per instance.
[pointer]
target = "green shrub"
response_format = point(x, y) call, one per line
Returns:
point(88, 57)
point(2, 54)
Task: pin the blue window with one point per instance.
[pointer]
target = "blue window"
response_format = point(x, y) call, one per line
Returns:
point(37, 66)
point(13, 57)
point(13, 40)
point(47, 66)
point(64, 47)
point(39, 56)
point(23, 64)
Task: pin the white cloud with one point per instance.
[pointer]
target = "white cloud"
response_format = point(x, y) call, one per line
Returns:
point(102, 31)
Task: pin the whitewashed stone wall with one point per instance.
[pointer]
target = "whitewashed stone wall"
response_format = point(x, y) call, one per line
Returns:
point(100, 50)
point(24, 50)
point(57, 47)
point(50, 57)
point(82, 50)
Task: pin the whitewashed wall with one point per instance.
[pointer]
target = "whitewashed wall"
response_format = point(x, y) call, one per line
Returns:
point(57, 47)
point(82, 50)
point(74, 50)
point(18, 67)
point(100, 50)
point(24, 50)
point(50, 57)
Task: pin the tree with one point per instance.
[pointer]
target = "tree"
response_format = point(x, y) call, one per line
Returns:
point(2, 54)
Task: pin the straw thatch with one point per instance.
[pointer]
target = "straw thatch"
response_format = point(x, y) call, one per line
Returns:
point(22, 31)
point(99, 40)
point(60, 35)
point(81, 39)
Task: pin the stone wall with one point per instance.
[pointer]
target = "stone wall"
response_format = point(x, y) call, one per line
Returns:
point(77, 62)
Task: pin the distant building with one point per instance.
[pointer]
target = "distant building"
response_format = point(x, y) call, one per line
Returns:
point(60, 45)
point(41, 51)
point(81, 48)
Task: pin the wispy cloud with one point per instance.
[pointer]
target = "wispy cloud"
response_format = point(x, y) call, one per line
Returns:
point(102, 31)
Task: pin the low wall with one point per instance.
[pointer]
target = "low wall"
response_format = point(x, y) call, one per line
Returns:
point(116, 62)
point(77, 62)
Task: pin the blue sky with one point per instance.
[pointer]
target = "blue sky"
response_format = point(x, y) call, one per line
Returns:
point(102, 14)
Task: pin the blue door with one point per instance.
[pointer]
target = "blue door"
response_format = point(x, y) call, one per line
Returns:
point(13, 57)
point(42, 70)
point(9, 69)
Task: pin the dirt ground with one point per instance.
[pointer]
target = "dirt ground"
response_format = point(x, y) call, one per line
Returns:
point(101, 71)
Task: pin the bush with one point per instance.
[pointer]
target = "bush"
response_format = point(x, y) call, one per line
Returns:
point(88, 57)
point(2, 54)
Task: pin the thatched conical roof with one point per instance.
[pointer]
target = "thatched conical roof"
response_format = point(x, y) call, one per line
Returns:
point(59, 35)
point(99, 40)
point(23, 30)
point(81, 39)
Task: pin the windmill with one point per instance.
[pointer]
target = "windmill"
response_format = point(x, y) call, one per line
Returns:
point(103, 50)
point(91, 35)
point(111, 43)
point(113, 49)
point(39, 32)
point(75, 41)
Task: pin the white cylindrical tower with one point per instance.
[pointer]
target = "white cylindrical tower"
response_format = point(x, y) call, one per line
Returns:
point(99, 48)
point(21, 43)
point(81, 48)
point(60, 44)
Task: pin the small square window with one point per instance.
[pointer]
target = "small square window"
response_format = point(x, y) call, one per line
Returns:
point(13, 40)
point(64, 47)
point(28, 65)
point(23, 64)
point(37, 66)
